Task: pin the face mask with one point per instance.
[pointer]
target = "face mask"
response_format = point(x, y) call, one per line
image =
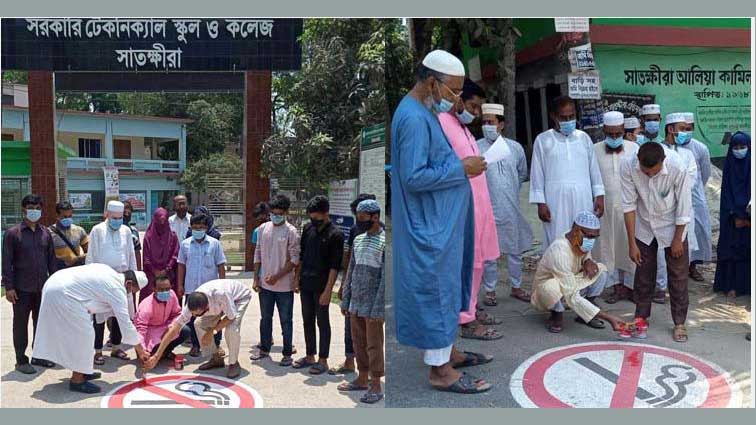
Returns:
point(163, 296)
point(465, 117)
point(442, 106)
point(316, 223)
point(66, 222)
point(567, 127)
point(683, 137)
point(33, 215)
point(641, 139)
point(115, 223)
point(740, 153)
point(614, 143)
point(198, 234)
point(652, 127)
point(490, 132)
point(587, 244)
point(364, 226)
point(277, 219)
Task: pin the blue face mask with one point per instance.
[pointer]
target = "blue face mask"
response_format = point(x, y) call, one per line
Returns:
point(443, 106)
point(277, 219)
point(641, 139)
point(198, 234)
point(66, 222)
point(163, 296)
point(490, 132)
point(683, 137)
point(33, 215)
point(587, 244)
point(652, 127)
point(740, 153)
point(614, 143)
point(465, 117)
point(567, 127)
point(115, 223)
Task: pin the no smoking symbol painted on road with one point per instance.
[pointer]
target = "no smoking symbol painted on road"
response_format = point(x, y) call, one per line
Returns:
point(621, 375)
point(183, 390)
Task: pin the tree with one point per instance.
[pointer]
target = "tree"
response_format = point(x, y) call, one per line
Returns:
point(194, 177)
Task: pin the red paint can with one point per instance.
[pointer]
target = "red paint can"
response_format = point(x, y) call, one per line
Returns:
point(178, 362)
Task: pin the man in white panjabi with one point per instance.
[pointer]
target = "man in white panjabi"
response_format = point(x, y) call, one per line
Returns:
point(69, 300)
point(650, 121)
point(181, 219)
point(632, 129)
point(564, 175)
point(612, 248)
point(111, 243)
point(504, 179)
point(566, 274)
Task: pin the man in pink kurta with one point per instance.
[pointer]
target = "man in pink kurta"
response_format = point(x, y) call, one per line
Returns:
point(156, 312)
point(486, 240)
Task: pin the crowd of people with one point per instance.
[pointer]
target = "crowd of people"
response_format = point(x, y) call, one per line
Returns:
point(628, 215)
point(169, 288)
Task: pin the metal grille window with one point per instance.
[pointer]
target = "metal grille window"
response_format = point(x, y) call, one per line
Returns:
point(89, 148)
point(13, 190)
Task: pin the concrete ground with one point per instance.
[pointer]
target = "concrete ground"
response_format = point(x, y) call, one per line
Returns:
point(717, 330)
point(278, 386)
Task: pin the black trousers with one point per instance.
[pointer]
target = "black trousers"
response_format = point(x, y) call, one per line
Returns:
point(27, 304)
point(312, 313)
point(115, 332)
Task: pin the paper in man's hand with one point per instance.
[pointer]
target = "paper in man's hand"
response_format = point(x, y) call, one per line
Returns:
point(498, 151)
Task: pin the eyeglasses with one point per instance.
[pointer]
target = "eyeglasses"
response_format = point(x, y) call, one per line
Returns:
point(456, 95)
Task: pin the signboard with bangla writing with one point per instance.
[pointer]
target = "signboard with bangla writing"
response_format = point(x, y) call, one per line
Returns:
point(151, 44)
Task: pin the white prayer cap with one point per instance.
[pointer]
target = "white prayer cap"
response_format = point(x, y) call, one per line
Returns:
point(675, 117)
point(614, 118)
point(631, 123)
point(588, 220)
point(445, 63)
point(492, 108)
point(690, 117)
point(141, 279)
point(115, 206)
point(651, 109)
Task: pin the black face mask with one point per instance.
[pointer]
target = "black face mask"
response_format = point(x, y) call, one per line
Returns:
point(317, 223)
point(364, 226)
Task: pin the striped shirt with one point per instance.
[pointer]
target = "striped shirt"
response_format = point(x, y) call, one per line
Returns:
point(363, 293)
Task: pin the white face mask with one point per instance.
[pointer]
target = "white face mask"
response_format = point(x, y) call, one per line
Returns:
point(490, 132)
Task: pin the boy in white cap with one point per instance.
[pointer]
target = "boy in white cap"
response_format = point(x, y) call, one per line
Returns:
point(650, 120)
point(567, 272)
point(433, 220)
point(70, 298)
point(611, 249)
point(110, 243)
point(504, 181)
point(700, 206)
point(632, 129)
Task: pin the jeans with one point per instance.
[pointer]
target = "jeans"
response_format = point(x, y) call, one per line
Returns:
point(285, 303)
point(27, 305)
point(312, 313)
point(182, 336)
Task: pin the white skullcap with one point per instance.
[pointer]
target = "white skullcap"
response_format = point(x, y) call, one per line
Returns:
point(492, 108)
point(690, 117)
point(445, 63)
point(651, 109)
point(115, 206)
point(141, 279)
point(588, 220)
point(631, 123)
point(614, 118)
point(675, 117)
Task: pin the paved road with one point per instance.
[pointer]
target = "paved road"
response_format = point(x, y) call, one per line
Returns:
point(279, 387)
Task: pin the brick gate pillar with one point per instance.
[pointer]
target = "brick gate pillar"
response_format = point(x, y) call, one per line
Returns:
point(42, 141)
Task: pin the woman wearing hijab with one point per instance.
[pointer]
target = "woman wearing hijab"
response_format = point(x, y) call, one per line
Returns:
point(211, 229)
point(734, 247)
point(160, 251)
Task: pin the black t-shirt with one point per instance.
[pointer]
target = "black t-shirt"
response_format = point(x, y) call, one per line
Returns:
point(320, 251)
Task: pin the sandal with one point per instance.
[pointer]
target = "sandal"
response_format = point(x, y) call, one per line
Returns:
point(259, 355)
point(371, 398)
point(660, 297)
point(491, 300)
point(341, 370)
point(317, 369)
point(302, 363)
point(696, 275)
point(466, 384)
point(351, 386)
point(680, 334)
point(286, 361)
point(119, 354)
point(594, 323)
point(487, 319)
point(473, 359)
point(99, 359)
point(523, 296)
point(490, 334)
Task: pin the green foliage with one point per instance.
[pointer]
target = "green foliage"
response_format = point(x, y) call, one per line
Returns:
point(15, 77)
point(194, 177)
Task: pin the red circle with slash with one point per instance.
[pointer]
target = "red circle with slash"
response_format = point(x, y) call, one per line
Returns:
point(190, 390)
point(621, 375)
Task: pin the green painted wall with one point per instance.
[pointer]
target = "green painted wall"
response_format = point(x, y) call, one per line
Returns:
point(714, 116)
point(533, 30)
point(16, 160)
point(742, 23)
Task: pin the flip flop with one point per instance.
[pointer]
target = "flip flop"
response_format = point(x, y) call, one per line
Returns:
point(351, 386)
point(341, 370)
point(371, 398)
point(594, 323)
point(487, 320)
point(119, 354)
point(490, 334)
point(302, 363)
point(99, 359)
point(524, 297)
point(680, 334)
point(466, 384)
point(696, 275)
point(473, 359)
point(259, 355)
point(491, 300)
point(317, 369)
point(286, 361)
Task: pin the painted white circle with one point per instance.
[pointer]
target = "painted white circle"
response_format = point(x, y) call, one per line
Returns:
point(588, 375)
point(183, 390)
